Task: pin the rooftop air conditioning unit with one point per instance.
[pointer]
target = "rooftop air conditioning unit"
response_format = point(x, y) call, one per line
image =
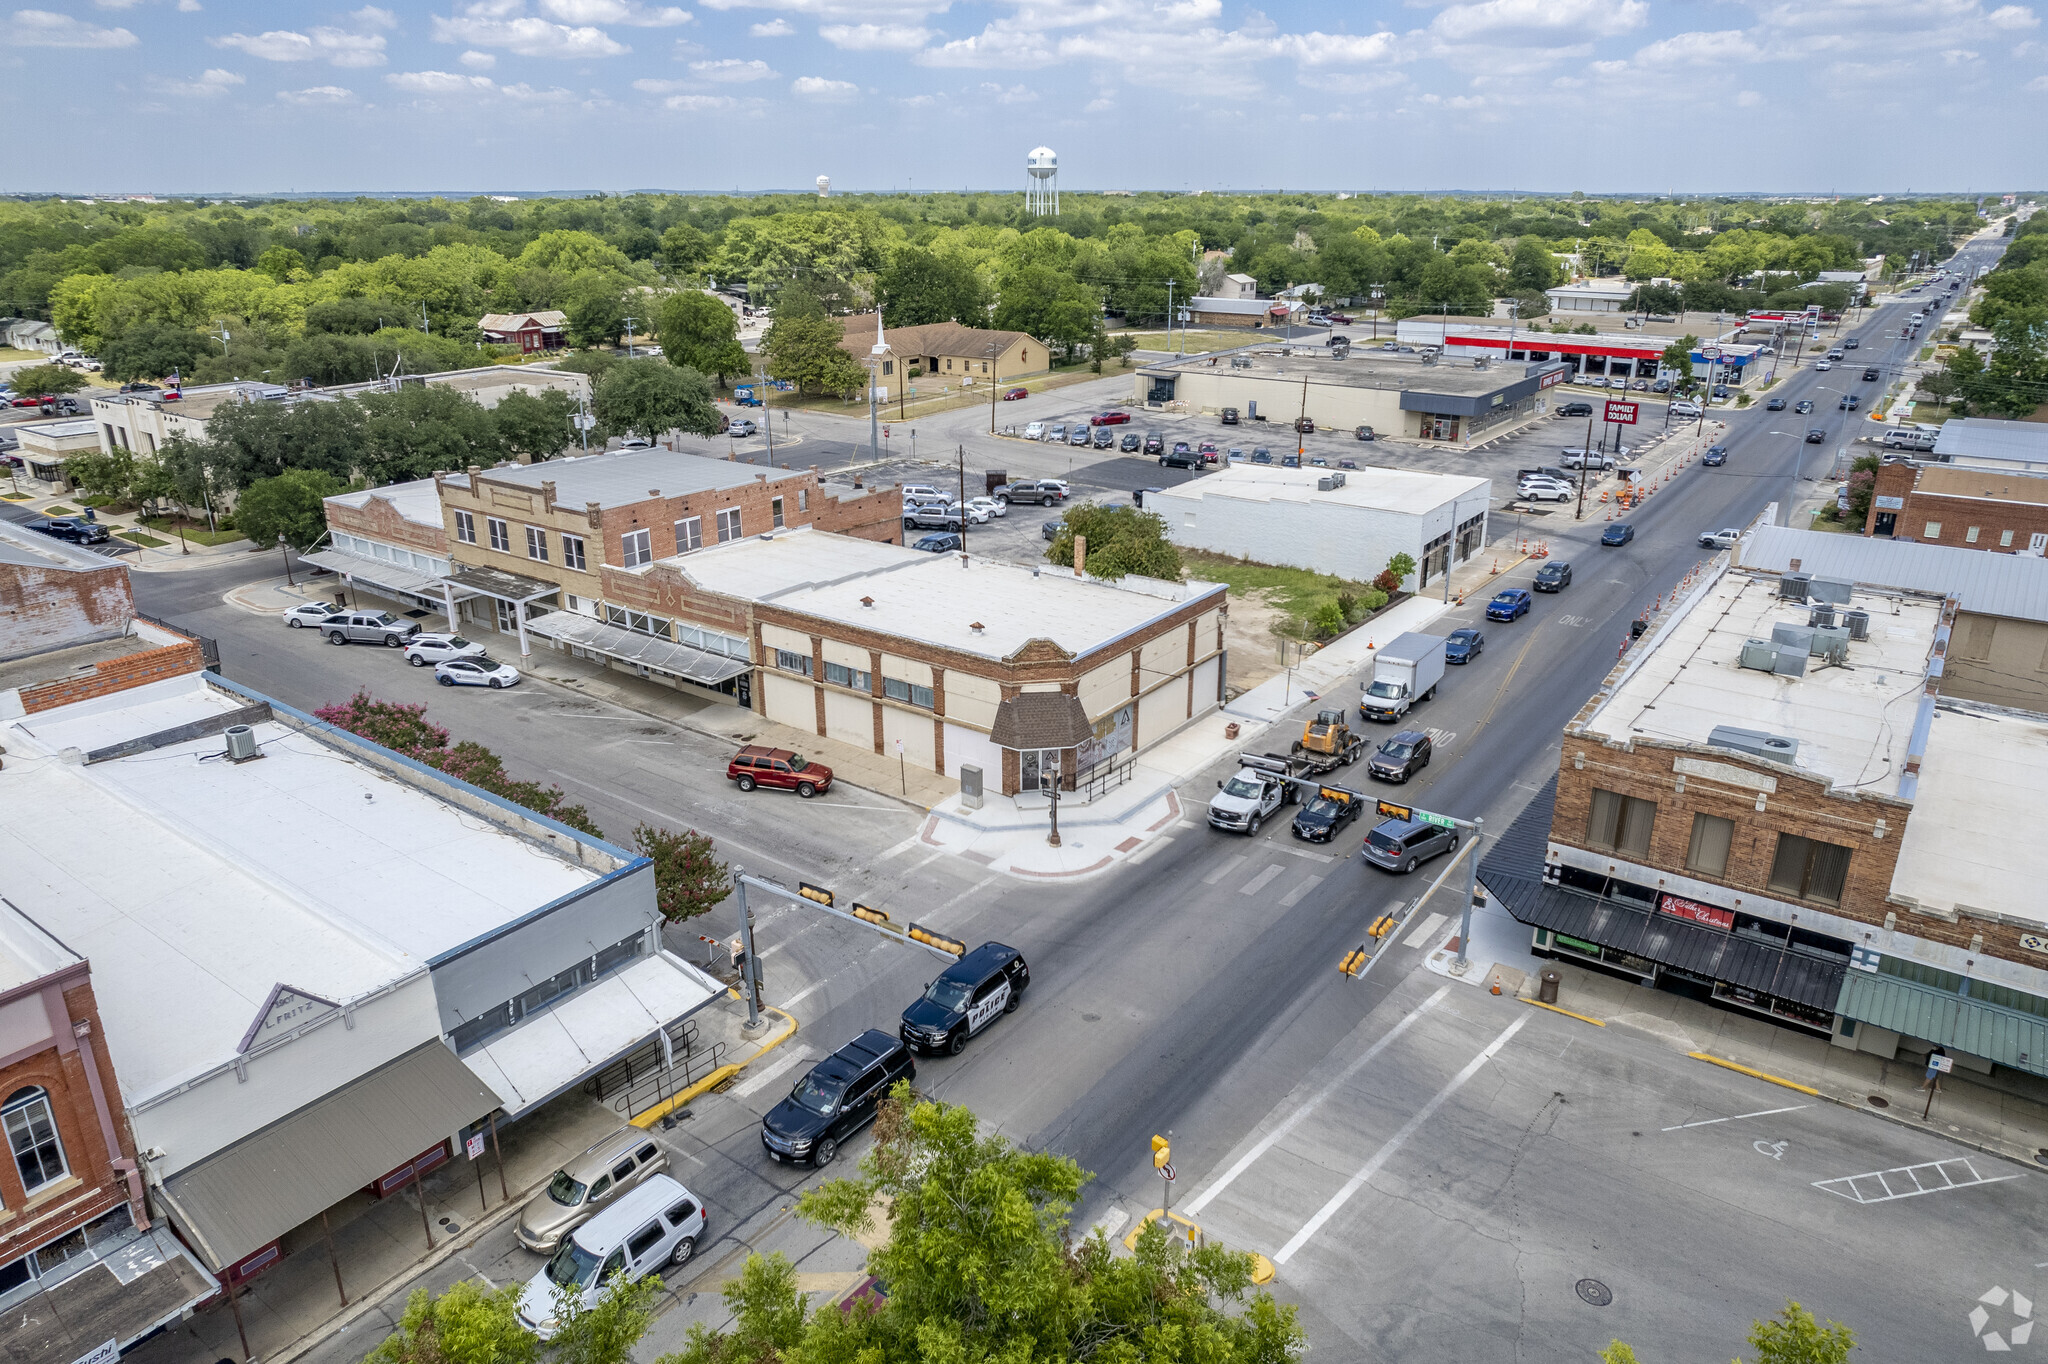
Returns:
point(1821, 617)
point(1336, 480)
point(241, 744)
point(1798, 637)
point(1858, 624)
point(1760, 654)
point(1793, 586)
point(1827, 590)
point(1324, 485)
point(1831, 645)
point(1754, 742)
point(1792, 662)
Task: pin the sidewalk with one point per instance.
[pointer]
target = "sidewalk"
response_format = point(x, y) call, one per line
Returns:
point(2005, 1117)
point(173, 554)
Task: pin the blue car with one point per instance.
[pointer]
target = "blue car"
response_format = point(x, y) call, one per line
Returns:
point(1620, 533)
point(1462, 646)
point(1716, 456)
point(1508, 604)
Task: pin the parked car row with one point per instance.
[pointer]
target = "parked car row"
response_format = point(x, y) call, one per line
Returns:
point(457, 662)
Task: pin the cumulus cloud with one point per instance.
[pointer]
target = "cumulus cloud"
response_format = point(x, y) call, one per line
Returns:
point(369, 16)
point(732, 71)
point(441, 83)
point(1699, 49)
point(2011, 17)
point(211, 82)
point(876, 37)
point(490, 24)
point(616, 12)
point(823, 90)
point(478, 61)
point(699, 104)
point(1506, 20)
point(41, 28)
point(1015, 94)
point(318, 94)
point(774, 28)
point(2038, 83)
point(336, 46)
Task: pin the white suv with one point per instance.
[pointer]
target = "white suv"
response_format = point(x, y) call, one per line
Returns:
point(1035, 431)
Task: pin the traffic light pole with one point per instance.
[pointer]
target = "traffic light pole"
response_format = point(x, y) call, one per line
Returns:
point(1359, 964)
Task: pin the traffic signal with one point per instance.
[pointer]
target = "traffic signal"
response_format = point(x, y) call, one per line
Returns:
point(811, 892)
point(873, 916)
point(1162, 1153)
point(919, 933)
point(1381, 927)
point(1354, 961)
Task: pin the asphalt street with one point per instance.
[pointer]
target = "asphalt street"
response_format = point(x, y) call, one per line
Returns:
point(1195, 992)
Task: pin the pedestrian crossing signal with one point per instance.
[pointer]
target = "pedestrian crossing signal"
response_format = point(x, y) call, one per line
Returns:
point(1353, 962)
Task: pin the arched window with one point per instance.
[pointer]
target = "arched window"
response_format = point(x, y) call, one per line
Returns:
point(32, 1137)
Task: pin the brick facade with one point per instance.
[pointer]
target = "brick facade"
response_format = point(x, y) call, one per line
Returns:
point(377, 519)
point(115, 674)
point(1964, 508)
point(48, 608)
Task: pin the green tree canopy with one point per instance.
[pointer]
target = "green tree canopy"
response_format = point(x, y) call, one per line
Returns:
point(804, 347)
point(1677, 356)
point(922, 286)
point(151, 350)
point(288, 506)
point(419, 428)
point(31, 380)
point(109, 473)
point(535, 426)
point(688, 877)
point(698, 331)
point(1121, 540)
point(652, 398)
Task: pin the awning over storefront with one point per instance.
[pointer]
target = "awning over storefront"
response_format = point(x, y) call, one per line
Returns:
point(1951, 1020)
point(681, 660)
point(470, 580)
point(557, 1049)
point(264, 1185)
point(121, 1290)
point(377, 573)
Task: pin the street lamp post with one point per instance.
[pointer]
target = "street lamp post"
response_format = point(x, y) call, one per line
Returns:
point(286, 552)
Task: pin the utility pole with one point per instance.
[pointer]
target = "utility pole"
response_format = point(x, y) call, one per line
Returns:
point(1471, 891)
point(1580, 514)
point(750, 977)
point(1169, 318)
point(767, 417)
point(960, 454)
point(993, 386)
point(1300, 443)
point(629, 338)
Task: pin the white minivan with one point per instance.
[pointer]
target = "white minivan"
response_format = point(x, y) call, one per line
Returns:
point(654, 1227)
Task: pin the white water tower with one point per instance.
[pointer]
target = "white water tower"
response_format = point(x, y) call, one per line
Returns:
point(824, 186)
point(1042, 190)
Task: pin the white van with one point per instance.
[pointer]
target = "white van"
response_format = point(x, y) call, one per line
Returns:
point(1907, 438)
point(654, 1227)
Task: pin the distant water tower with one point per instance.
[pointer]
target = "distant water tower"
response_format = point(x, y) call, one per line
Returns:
point(1042, 191)
point(824, 186)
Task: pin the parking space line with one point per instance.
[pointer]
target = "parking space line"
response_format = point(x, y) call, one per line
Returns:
point(1230, 864)
point(1293, 897)
point(1736, 1117)
point(1395, 1142)
point(1288, 1124)
point(1261, 881)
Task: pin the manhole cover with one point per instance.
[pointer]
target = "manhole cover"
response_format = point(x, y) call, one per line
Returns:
point(1594, 1292)
point(1880, 1101)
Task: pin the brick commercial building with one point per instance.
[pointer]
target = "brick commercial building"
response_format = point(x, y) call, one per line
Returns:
point(496, 548)
point(897, 651)
point(1775, 802)
point(1973, 506)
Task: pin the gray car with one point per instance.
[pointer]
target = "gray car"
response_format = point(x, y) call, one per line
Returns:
point(930, 516)
point(1080, 435)
point(587, 1186)
point(1402, 845)
point(369, 627)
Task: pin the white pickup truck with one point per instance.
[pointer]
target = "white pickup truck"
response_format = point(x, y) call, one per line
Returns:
point(1728, 537)
point(1260, 787)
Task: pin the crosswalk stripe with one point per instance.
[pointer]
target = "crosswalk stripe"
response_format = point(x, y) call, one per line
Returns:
point(1229, 865)
point(1293, 897)
point(1261, 881)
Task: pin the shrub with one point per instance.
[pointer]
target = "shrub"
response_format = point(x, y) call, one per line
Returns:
point(1327, 620)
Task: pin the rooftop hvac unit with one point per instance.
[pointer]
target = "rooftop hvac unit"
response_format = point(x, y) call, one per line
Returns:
point(1754, 742)
point(241, 744)
point(1324, 485)
point(1831, 645)
point(1336, 480)
point(1821, 617)
point(1793, 586)
point(1798, 637)
point(1792, 662)
point(1857, 623)
point(1827, 590)
point(1760, 654)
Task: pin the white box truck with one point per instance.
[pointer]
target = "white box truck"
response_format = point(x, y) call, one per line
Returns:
point(1406, 670)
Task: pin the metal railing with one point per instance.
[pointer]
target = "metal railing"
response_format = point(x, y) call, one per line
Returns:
point(648, 1074)
point(1102, 778)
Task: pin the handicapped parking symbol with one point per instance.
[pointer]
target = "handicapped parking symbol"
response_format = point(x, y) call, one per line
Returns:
point(1774, 1149)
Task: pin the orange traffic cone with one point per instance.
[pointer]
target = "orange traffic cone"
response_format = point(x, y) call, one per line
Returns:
point(1496, 987)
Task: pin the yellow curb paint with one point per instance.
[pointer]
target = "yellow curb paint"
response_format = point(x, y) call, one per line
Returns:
point(1262, 1269)
point(717, 1077)
point(1753, 1074)
point(1596, 1022)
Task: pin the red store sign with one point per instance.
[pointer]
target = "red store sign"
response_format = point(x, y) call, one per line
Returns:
point(1681, 908)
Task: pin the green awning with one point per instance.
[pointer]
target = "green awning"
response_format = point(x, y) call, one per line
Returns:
point(1997, 1034)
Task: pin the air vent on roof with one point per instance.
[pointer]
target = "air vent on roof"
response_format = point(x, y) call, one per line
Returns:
point(1827, 590)
point(1760, 654)
point(1821, 617)
point(1793, 586)
point(1754, 742)
point(1336, 480)
point(1858, 624)
point(1792, 662)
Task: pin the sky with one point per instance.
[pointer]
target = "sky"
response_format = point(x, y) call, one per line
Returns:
point(506, 96)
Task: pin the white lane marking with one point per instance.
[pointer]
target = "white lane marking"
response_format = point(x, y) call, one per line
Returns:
point(479, 1273)
point(768, 1074)
point(1737, 1117)
point(1150, 848)
point(926, 862)
point(1395, 1142)
point(1293, 897)
point(1288, 1124)
point(1261, 881)
point(800, 996)
point(1229, 865)
point(1910, 1181)
point(1304, 852)
point(1425, 930)
point(666, 743)
point(897, 850)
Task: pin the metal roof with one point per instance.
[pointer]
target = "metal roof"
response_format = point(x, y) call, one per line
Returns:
point(2010, 585)
point(621, 478)
point(629, 646)
point(2002, 1035)
point(1986, 438)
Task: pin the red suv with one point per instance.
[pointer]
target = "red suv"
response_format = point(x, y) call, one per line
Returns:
point(755, 765)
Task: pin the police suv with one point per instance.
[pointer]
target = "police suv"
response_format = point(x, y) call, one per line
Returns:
point(967, 997)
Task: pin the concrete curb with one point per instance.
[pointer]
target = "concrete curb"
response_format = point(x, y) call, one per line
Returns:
point(717, 1077)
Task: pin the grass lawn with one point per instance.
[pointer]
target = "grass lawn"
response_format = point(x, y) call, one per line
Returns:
point(196, 532)
point(59, 511)
point(1297, 591)
point(137, 537)
point(1201, 342)
point(13, 497)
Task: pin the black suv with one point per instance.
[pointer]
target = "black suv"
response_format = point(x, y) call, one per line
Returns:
point(1553, 577)
point(1130, 441)
point(1329, 810)
point(837, 1099)
point(967, 997)
point(1155, 444)
point(71, 528)
point(1402, 756)
point(1575, 410)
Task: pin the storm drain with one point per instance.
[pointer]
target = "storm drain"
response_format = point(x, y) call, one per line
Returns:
point(1594, 1292)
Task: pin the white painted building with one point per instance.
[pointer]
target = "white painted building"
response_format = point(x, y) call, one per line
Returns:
point(1591, 296)
point(1348, 523)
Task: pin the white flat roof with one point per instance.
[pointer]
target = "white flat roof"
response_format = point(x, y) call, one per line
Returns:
point(1974, 837)
point(1853, 724)
point(933, 598)
point(620, 478)
point(415, 501)
point(1407, 491)
point(195, 885)
point(27, 952)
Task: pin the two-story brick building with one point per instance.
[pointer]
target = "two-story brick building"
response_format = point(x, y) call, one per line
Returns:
point(2004, 511)
point(1773, 802)
point(893, 650)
